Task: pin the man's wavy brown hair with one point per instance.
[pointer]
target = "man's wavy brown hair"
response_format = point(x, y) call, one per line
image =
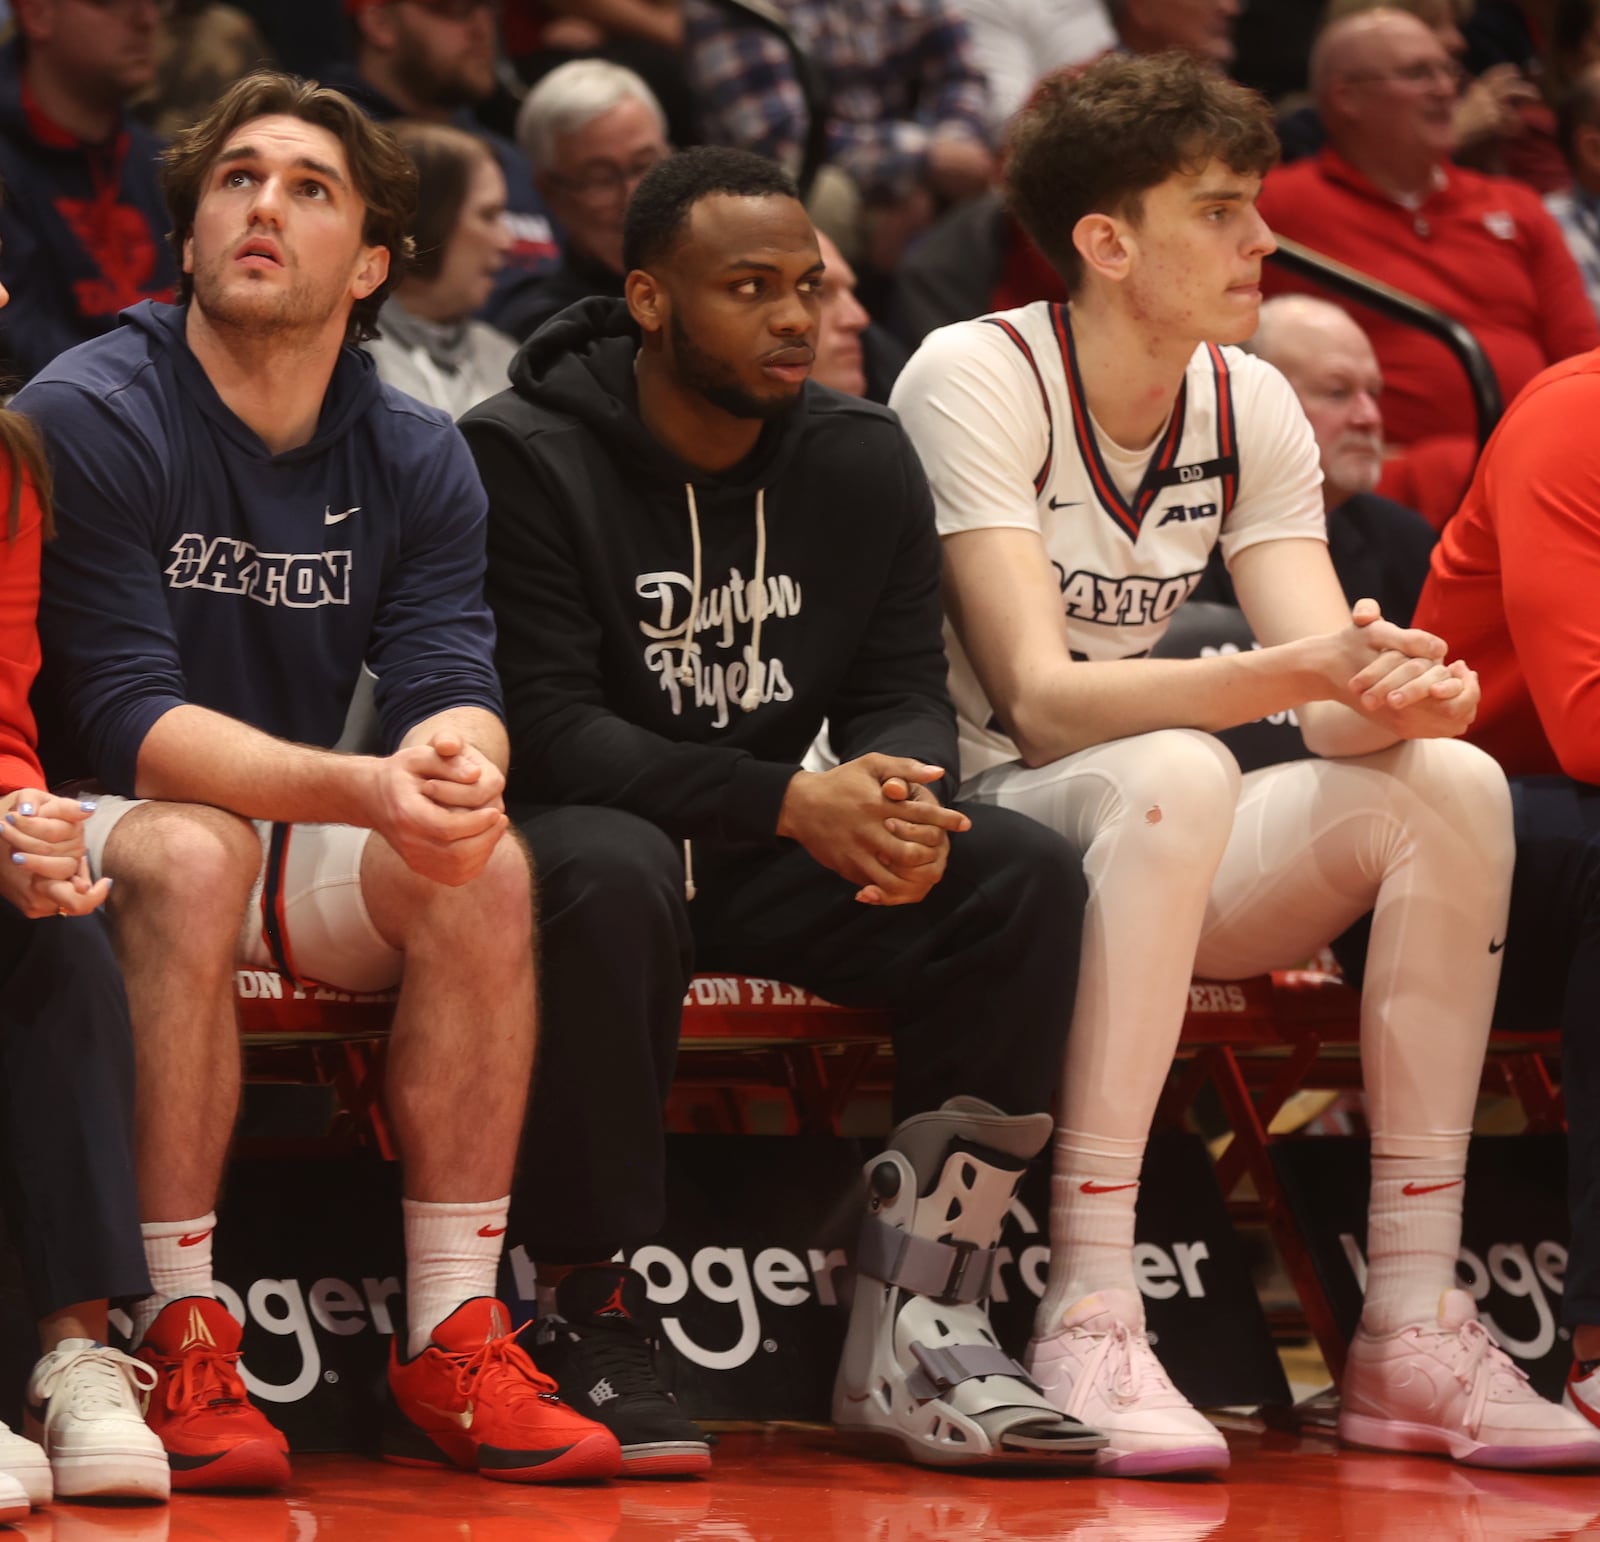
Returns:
point(1096, 140)
point(380, 171)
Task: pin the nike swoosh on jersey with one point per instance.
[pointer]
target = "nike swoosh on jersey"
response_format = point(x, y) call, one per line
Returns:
point(330, 518)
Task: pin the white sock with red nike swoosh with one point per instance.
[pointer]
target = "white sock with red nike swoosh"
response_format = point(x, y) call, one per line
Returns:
point(1413, 1235)
point(452, 1255)
point(1093, 1190)
point(178, 1256)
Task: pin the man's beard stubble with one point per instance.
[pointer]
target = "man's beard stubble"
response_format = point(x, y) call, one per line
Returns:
point(289, 310)
point(711, 378)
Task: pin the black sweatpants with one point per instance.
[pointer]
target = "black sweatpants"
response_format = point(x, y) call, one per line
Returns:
point(66, 1112)
point(980, 975)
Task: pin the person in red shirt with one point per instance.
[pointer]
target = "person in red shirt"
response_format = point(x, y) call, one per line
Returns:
point(1513, 585)
point(1384, 198)
point(66, 1077)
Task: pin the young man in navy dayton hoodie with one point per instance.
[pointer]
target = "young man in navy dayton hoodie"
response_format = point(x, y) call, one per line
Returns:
point(247, 516)
point(696, 557)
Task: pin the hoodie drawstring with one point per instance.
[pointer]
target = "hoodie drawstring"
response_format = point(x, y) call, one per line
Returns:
point(751, 699)
point(685, 668)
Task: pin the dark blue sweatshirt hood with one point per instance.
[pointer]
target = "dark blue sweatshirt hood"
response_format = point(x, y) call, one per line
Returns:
point(352, 391)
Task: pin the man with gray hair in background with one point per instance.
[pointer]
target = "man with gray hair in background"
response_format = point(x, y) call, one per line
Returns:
point(590, 130)
point(1379, 548)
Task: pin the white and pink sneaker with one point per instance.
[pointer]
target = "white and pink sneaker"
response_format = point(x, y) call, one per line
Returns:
point(1446, 1387)
point(1100, 1368)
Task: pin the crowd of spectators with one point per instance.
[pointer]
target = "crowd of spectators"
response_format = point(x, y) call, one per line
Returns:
point(846, 184)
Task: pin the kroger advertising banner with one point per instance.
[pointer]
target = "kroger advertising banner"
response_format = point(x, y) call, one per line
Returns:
point(751, 1279)
point(1513, 1237)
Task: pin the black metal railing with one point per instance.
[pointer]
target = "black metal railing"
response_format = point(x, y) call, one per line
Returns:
point(1351, 284)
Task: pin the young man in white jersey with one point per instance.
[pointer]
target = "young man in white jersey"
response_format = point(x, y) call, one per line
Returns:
point(1084, 461)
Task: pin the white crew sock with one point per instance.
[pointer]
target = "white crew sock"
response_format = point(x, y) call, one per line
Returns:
point(1093, 1191)
point(1413, 1237)
point(178, 1256)
point(452, 1256)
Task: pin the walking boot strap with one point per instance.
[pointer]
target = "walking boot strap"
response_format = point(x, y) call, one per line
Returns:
point(945, 1366)
point(946, 1271)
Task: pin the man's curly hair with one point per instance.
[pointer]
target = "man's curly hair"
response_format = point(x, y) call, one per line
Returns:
point(1094, 141)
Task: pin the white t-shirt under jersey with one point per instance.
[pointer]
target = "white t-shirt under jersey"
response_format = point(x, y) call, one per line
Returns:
point(989, 405)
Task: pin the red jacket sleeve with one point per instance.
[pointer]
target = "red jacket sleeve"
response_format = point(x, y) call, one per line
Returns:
point(1544, 484)
point(19, 643)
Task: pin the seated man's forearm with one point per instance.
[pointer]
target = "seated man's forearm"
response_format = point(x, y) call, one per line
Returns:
point(1335, 732)
point(194, 755)
point(477, 726)
point(1084, 704)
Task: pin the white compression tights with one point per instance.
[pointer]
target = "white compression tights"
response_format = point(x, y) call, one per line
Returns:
point(1195, 870)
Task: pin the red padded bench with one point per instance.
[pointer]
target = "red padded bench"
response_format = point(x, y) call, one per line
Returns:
point(1256, 1042)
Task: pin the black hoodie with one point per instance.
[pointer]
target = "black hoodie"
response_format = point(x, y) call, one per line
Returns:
point(599, 541)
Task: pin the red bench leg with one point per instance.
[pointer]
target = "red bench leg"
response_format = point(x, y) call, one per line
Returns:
point(1248, 1153)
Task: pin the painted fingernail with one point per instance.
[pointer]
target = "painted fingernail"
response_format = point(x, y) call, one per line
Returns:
point(19, 857)
point(88, 805)
point(110, 882)
point(11, 819)
point(25, 808)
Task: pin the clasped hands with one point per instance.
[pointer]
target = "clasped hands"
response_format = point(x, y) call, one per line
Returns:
point(1398, 676)
point(46, 872)
point(876, 822)
point(440, 805)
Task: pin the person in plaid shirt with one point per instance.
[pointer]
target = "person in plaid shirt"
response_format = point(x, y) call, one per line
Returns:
point(907, 102)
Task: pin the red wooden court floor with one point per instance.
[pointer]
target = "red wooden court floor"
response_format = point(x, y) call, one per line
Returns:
point(805, 1484)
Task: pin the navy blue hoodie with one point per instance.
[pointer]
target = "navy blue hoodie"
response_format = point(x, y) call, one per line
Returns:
point(191, 565)
point(83, 231)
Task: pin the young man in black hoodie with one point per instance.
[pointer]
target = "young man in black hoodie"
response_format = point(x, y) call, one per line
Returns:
point(695, 558)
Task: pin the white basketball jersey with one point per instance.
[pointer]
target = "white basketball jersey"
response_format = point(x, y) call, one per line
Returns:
point(1124, 561)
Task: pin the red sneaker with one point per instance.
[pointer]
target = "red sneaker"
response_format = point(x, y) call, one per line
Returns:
point(214, 1435)
point(474, 1399)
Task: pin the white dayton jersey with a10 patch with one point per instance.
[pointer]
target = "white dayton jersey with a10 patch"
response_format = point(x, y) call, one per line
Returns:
point(995, 408)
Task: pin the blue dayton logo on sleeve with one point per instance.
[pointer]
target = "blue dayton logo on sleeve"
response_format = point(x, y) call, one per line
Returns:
point(303, 580)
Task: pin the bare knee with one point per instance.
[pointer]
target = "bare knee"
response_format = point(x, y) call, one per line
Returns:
point(188, 863)
point(505, 888)
point(410, 908)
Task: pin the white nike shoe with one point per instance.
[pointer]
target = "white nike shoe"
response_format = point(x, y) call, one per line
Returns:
point(1100, 1369)
point(85, 1408)
point(1447, 1388)
point(14, 1505)
point(24, 1463)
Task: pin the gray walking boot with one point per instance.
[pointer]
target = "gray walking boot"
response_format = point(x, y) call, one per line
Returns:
point(921, 1364)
